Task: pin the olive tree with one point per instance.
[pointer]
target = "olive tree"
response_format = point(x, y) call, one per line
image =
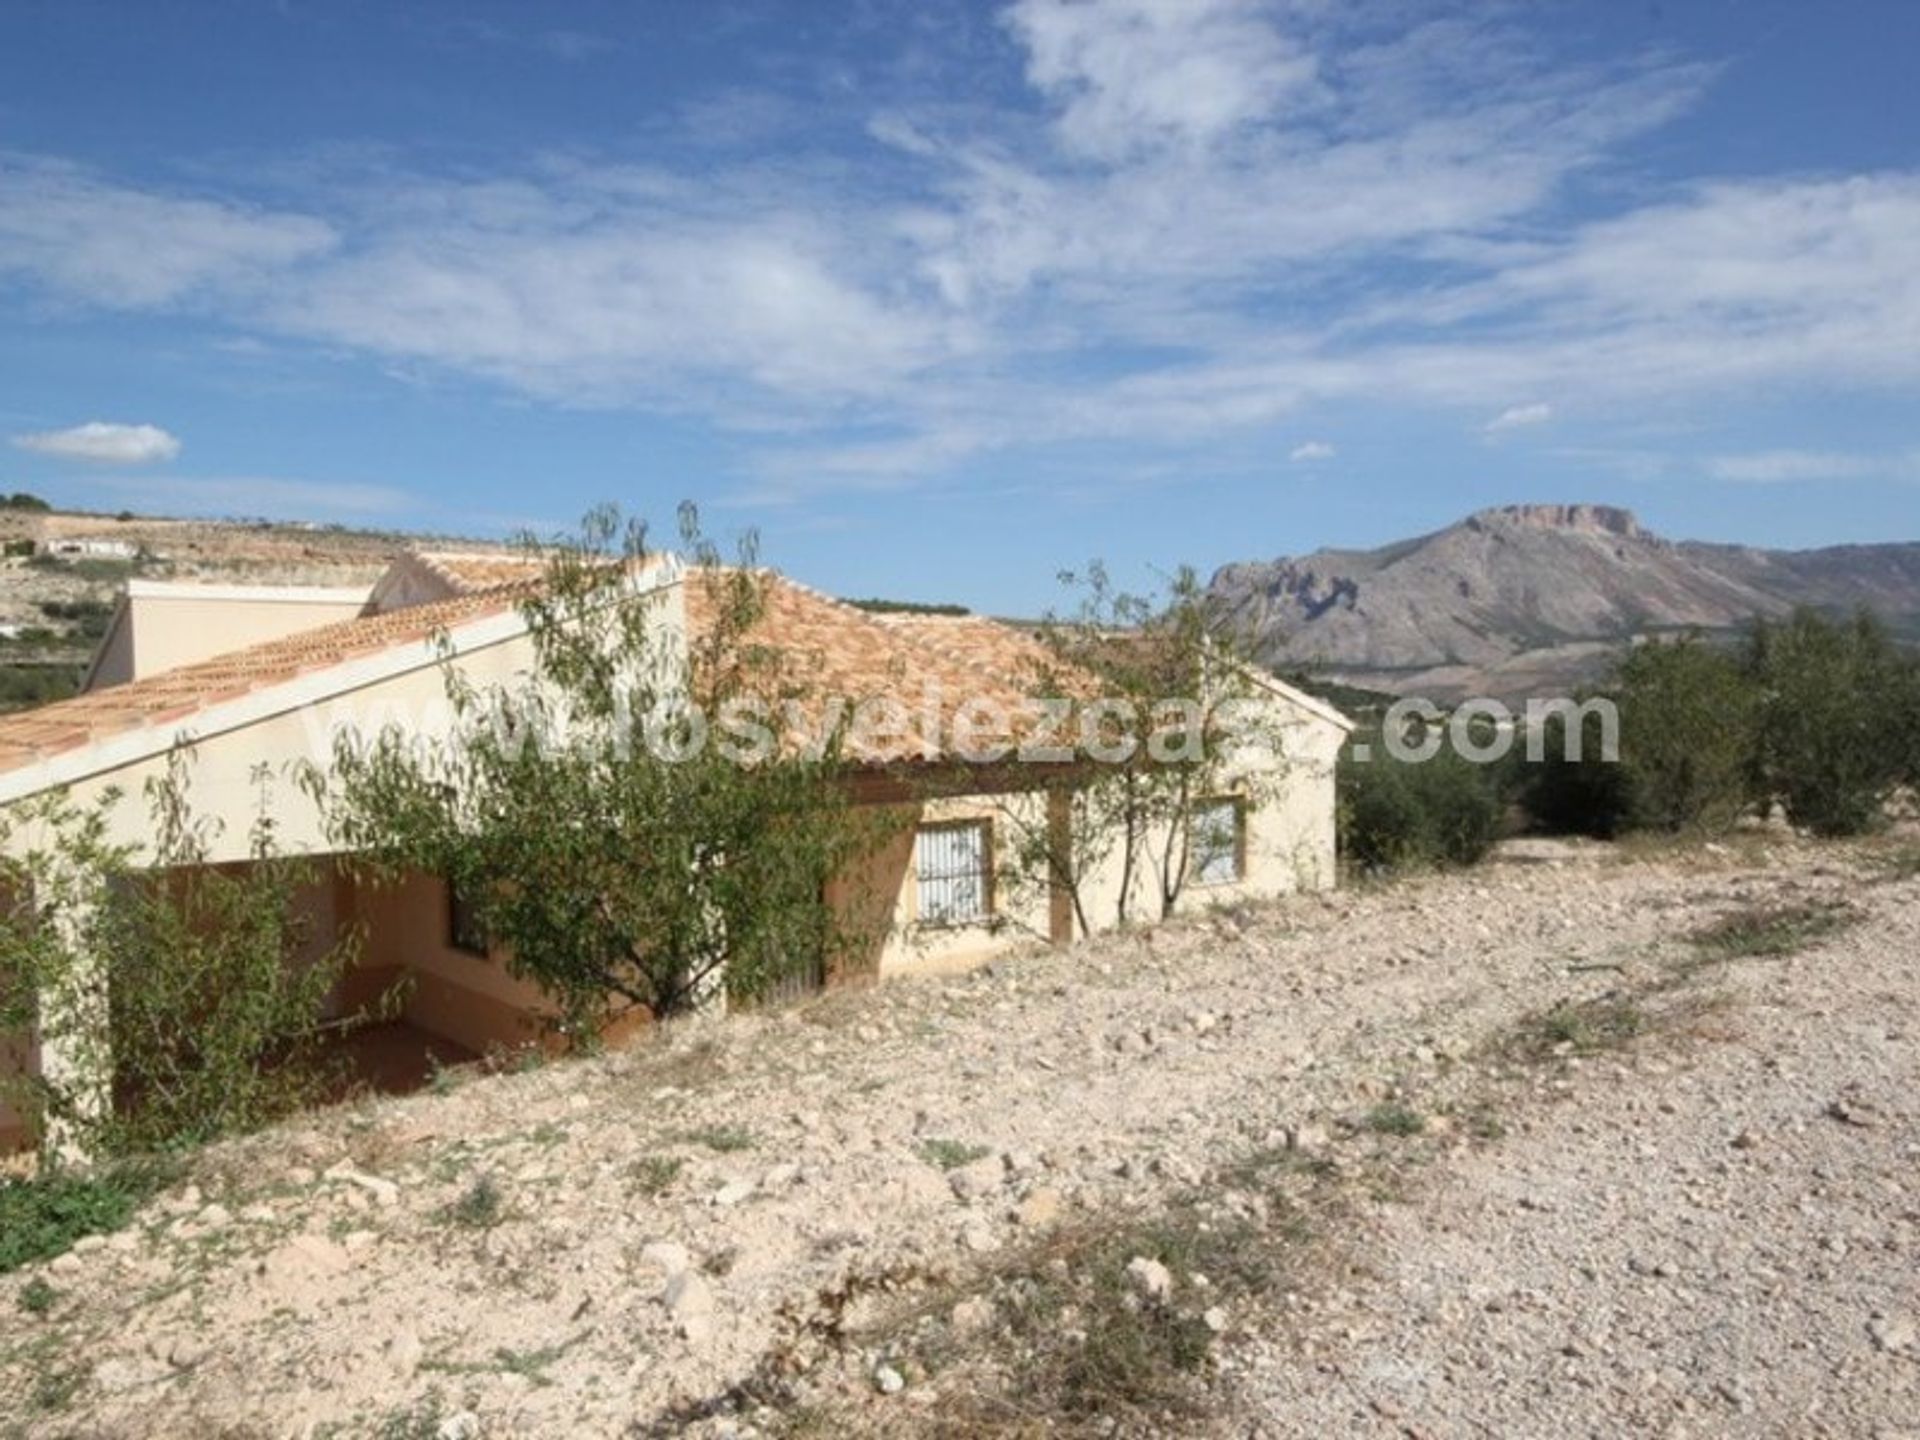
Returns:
point(1161, 710)
point(653, 817)
point(1835, 714)
point(175, 999)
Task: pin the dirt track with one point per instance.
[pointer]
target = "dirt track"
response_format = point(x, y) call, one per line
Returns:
point(1709, 1231)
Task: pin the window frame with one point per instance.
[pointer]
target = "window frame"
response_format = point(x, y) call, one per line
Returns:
point(459, 937)
point(1195, 871)
point(988, 898)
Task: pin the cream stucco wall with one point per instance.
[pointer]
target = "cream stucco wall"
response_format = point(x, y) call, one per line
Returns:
point(885, 889)
point(160, 626)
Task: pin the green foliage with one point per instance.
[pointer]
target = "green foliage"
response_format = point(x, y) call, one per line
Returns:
point(725, 1139)
point(951, 1154)
point(1392, 1118)
point(1163, 708)
point(24, 686)
point(186, 997)
point(1687, 718)
point(1771, 931)
point(1573, 790)
point(481, 1205)
point(1839, 705)
point(1398, 814)
point(41, 1218)
point(652, 1174)
point(876, 606)
point(23, 500)
point(612, 871)
point(37, 1297)
point(1821, 717)
point(1576, 1027)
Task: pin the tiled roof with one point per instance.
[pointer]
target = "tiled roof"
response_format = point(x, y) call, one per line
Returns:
point(172, 695)
point(467, 572)
point(833, 651)
point(839, 652)
point(1016, 656)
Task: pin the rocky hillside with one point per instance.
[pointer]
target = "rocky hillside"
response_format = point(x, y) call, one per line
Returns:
point(1529, 599)
point(1533, 1150)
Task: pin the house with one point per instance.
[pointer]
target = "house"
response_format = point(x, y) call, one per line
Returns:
point(257, 677)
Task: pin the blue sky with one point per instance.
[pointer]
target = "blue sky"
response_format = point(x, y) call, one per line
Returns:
point(941, 299)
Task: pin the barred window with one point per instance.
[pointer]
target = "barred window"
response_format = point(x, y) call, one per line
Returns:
point(953, 871)
point(464, 930)
point(1216, 841)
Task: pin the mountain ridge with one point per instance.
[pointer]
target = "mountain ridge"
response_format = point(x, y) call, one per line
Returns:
point(1522, 599)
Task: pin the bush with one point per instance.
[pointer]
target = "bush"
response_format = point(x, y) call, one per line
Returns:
point(1397, 813)
point(42, 1218)
point(1687, 718)
point(188, 986)
point(1836, 719)
point(1584, 796)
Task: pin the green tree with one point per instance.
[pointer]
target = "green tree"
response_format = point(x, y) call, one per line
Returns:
point(186, 998)
point(1687, 735)
point(1163, 710)
point(1398, 814)
point(1835, 727)
point(618, 860)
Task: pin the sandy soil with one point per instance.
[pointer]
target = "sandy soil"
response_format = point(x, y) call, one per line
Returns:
point(1709, 1231)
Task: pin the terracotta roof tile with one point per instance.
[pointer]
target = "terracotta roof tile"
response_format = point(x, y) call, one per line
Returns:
point(836, 651)
point(467, 572)
point(172, 695)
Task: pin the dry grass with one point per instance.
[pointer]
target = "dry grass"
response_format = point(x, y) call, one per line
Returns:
point(1574, 1027)
point(1770, 932)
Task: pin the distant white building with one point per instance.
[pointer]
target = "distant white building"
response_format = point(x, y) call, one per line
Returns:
point(90, 547)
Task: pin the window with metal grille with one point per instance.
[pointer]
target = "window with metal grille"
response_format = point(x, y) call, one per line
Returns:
point(953, 870)
point(464, 931)
point(1216, 841)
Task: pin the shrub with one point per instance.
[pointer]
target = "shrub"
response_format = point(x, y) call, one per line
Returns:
point(41, 1218)
point(1396, 813)
point(1687, 717)
point(1583, 796)
point(1836, 719)
point(1686, 744)
point(480, 1207)
point(184, 991)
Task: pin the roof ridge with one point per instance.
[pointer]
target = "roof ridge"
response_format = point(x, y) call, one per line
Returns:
point(152, 699)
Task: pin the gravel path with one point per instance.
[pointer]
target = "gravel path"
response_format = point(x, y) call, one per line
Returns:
point(1719, 1236)
point(581, 1249)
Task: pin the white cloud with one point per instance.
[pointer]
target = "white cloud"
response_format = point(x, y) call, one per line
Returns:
point(104, 244)
point(103, 443)
point(1773, 467)
point(1135, 75)
point(1518, 417)
point(1381, 218)
point(1311, 451)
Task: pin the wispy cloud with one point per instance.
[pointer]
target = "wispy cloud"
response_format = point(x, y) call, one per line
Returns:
point(94, 242)
point(1310, 452)
point(1776, 467)
point(1519, 417)
point(1030, 274)
point(101, 443)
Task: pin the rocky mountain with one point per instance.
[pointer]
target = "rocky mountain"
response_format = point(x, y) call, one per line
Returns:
point(1533, 599)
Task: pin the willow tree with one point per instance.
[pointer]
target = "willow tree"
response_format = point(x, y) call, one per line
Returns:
point(646, 819)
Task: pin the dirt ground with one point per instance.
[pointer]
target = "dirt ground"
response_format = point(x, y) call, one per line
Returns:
point(1541, 1151)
